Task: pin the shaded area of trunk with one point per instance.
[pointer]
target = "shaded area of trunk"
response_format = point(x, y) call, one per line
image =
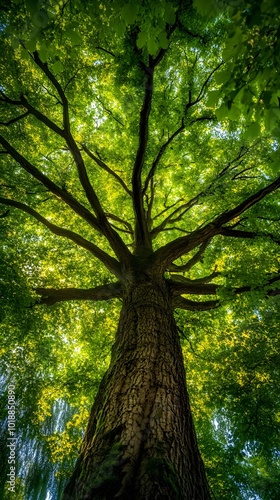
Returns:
point(140, 442)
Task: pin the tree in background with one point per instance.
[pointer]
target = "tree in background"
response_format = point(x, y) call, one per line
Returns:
point(140, 163)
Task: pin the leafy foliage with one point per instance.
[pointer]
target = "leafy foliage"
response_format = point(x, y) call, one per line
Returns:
point(90, 81)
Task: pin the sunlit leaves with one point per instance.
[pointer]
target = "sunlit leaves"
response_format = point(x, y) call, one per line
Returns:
point(99, 54)
point(242, 356)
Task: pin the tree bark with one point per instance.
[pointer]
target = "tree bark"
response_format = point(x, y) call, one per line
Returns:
point(140, 443)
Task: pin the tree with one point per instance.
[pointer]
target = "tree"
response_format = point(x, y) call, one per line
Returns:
point(152, 146)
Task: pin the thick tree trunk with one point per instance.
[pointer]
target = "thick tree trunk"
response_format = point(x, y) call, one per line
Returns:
point(140, 443)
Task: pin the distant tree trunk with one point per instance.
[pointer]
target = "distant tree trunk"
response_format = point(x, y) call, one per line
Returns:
point(140, 442)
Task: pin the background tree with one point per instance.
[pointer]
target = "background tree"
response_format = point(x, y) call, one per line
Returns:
point(146, 150)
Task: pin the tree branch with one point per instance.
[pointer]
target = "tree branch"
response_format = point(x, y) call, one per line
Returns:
point(150, 202)
point(51, 186)
point(201, 92)
point(109, 112)
point(177, 132)
point(50, 296)
point(142, 235)
point(236, 233)
point(141, 230)
point(14, 120)
point(206, 279)
point(177, 288)
point(112, 236)
point(183, 245)
point(159, 155)
point(187, 286)
point(194, 260)
point(44, 67)
point(246, 204)
point(167, 208)
point(106, 168)
point(179, 302)
point(35, 112)
point(121, 221)
point(188, 205)
point(170, 220)
point(105, 50)
point(112, 264)
point(98, 223)
point(249, 288)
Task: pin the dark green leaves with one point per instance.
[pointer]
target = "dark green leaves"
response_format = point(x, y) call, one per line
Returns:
point(129, 12)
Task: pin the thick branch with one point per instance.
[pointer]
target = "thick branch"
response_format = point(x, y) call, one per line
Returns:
point(194, 260)
point(51, 186)
point(142, 236)
point(236, 233)
point(182, 303)
point(142, 233)
point(50, 296)
point(112, 236)
point(228, 215)
point(180, 246)
point(35, 112)
point(190, 287)
point(179, 302)
point(205, 279)
point(270, 281)
point(44, 67)
point(112, 264)
point(42, 118)
point(150, 202)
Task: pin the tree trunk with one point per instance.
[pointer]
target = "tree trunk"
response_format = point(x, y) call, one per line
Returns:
point(140, 442)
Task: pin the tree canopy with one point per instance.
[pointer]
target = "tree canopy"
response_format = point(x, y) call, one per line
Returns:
point(147, 129)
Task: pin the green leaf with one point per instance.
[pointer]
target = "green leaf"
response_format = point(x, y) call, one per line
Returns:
point(31, 6)
point(142, 39)
point(253, 131)
point(152, 46)
point(247, 96)
point(213, 98)
point(271, 118)
point(163, 41)
point(223, 76)
point(57, 67)
point(233, 47)
point(169, 14)
point(234, 112)
point(204, 8)
point(276, 132)
point(24, 54)
point(119, 27)
point(222, 112)
point(31, 45)
point(15, 43)
point(129, 12)
point(74, 36)
point(266, 97)
point(43, 52)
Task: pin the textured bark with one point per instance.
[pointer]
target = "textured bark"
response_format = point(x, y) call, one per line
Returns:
point(140, 442)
